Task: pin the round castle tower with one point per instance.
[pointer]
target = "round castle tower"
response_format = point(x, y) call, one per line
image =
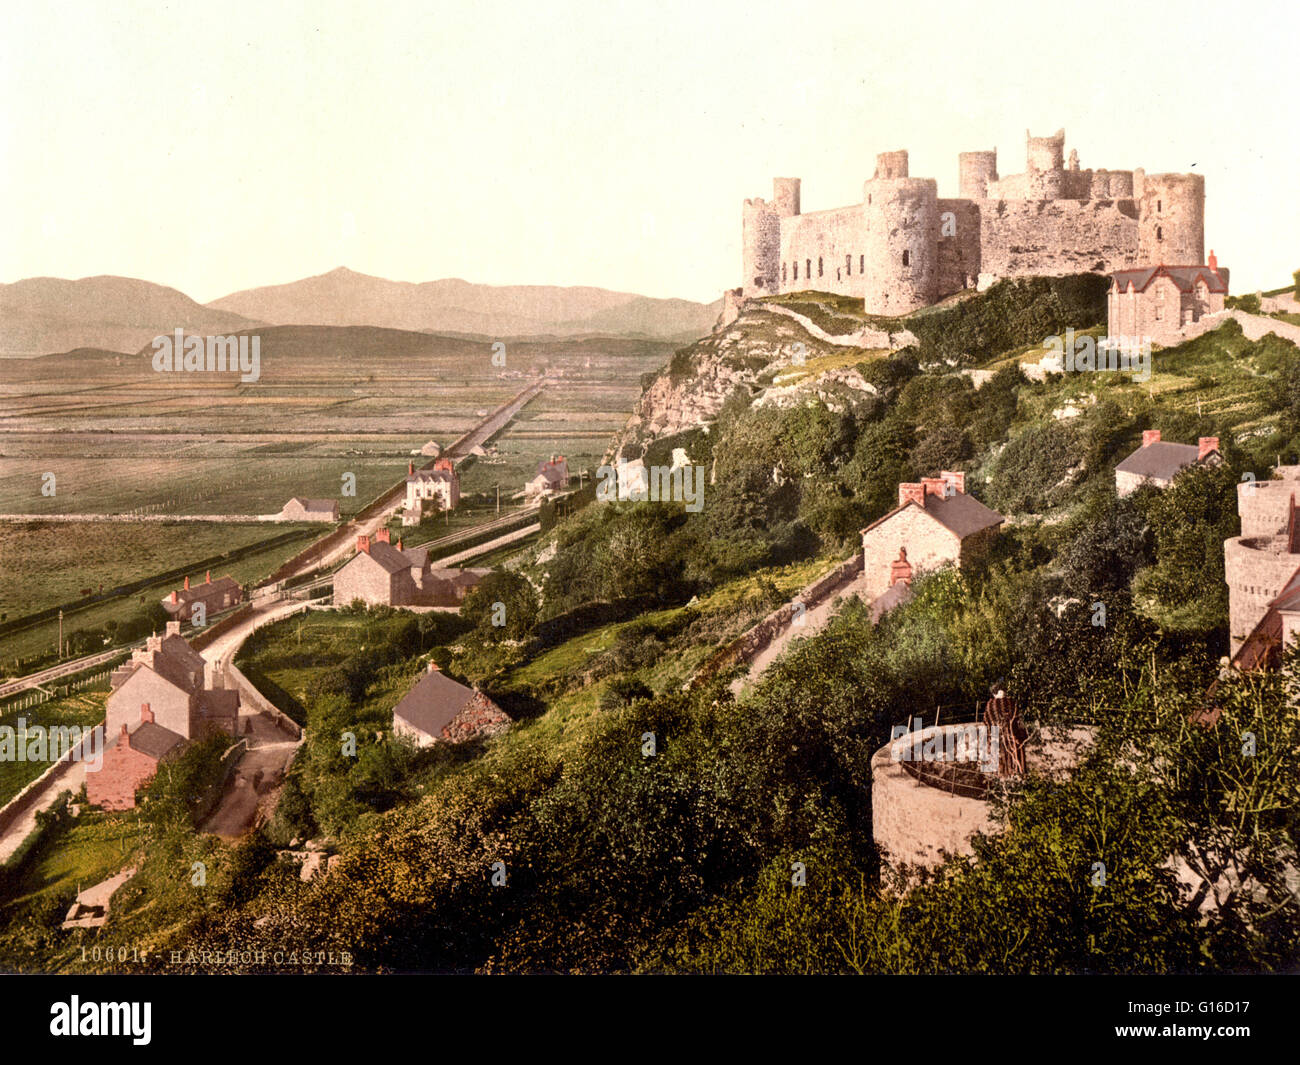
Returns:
point(975, 171)
point(1171, 219)
point(761, 237)
point(1258, 563)
point(902, 226)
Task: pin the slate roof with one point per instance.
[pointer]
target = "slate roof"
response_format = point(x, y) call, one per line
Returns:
point(389, 557)
point(206, 590)
point(960, 514)
point(1161, 460)
point(433, 703)
point(1185, 277)
point(154, 740)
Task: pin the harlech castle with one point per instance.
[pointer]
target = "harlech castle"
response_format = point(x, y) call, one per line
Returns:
point(903, 247)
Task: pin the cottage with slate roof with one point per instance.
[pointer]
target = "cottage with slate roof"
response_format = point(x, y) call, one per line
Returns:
point(161, 699)
point(935, 523)
point(438, 488)
point(439, 708)
point(383, 575)
point(1158, 462)
point(1157, 301)
point(300, 509)
point(215, 596)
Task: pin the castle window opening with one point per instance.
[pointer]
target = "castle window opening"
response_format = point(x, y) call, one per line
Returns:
point(848, 265)
point(796, 269)
point(1159, 206)
point(807, 269)
point(1160, 233)
point(907, 258)
point(862, 264)
point(783, 273)
point(819, 266)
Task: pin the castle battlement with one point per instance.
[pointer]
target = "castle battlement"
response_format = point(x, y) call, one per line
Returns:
point(904, 247)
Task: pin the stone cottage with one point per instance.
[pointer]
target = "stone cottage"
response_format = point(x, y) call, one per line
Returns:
point(936, 522)
point(215, 596)
point(1156, 302)
point(300, 509)
point(381, 574)
point(1157, 462)
point(161, 699)
point(552, 476)
point(439, 708)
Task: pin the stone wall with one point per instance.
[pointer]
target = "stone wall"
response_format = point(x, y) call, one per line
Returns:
point(1023, 237)
point(480, 718)
point(1255, 569)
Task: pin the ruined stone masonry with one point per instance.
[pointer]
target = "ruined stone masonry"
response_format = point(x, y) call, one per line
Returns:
point(903, 247)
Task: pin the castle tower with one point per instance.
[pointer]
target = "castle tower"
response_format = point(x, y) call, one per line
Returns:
point(1171, 219)
point(901, 238)
point(761, 237)
point(1045, 153)
point(975, 170)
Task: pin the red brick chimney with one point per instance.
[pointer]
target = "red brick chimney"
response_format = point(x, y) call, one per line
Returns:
point(1150, 436)
point(445, 464)
point(146, 715)
point(1205, 445)
point(1213, 262)
point(399, 544)
point(933, 485)
point(956, 479)
point(175, 597)
point(410, 469)
point(207, 577)
point(911, 492)
point(381, 537)
point(187, 584)
point(124, 733)
point(363, 544)
point(900, 569)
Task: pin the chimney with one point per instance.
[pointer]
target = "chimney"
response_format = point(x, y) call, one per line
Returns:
point(173, 628)
point(174, 598)
point(410, 468)
point(956, 479)
point(1213, 262)
point(363, 544)
point(187, 584)
point(207, 577)
point(381, 537)
point(1150, 436)
point(125, 737)
point(399, 544)
point(900, 569)
point(146, 715)
point(1205, 445)
point(914, 492)
point(933, 485)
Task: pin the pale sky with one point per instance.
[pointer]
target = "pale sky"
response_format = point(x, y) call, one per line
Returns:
point(220, 146)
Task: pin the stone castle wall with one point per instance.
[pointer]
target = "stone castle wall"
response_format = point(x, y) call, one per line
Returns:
point(898, 250)
point(1255, 569)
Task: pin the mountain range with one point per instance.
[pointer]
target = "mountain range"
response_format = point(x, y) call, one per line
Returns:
point(44, 314)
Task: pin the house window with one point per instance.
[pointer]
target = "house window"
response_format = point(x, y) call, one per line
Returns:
point(1160, 312)
point(907, 258)
point(819, 266)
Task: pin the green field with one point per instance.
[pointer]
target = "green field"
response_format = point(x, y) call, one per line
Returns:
point(81, 709)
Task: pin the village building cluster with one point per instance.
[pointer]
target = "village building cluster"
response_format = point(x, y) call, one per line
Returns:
point(164, 697)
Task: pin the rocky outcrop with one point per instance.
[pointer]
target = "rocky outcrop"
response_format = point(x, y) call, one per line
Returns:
point(748, 357)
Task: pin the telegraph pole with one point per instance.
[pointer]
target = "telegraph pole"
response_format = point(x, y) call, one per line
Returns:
point(60, 633)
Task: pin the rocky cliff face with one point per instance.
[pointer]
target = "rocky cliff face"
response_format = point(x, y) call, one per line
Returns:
point(764, 354)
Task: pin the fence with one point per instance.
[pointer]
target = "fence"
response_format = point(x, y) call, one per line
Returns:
point(36, 696)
